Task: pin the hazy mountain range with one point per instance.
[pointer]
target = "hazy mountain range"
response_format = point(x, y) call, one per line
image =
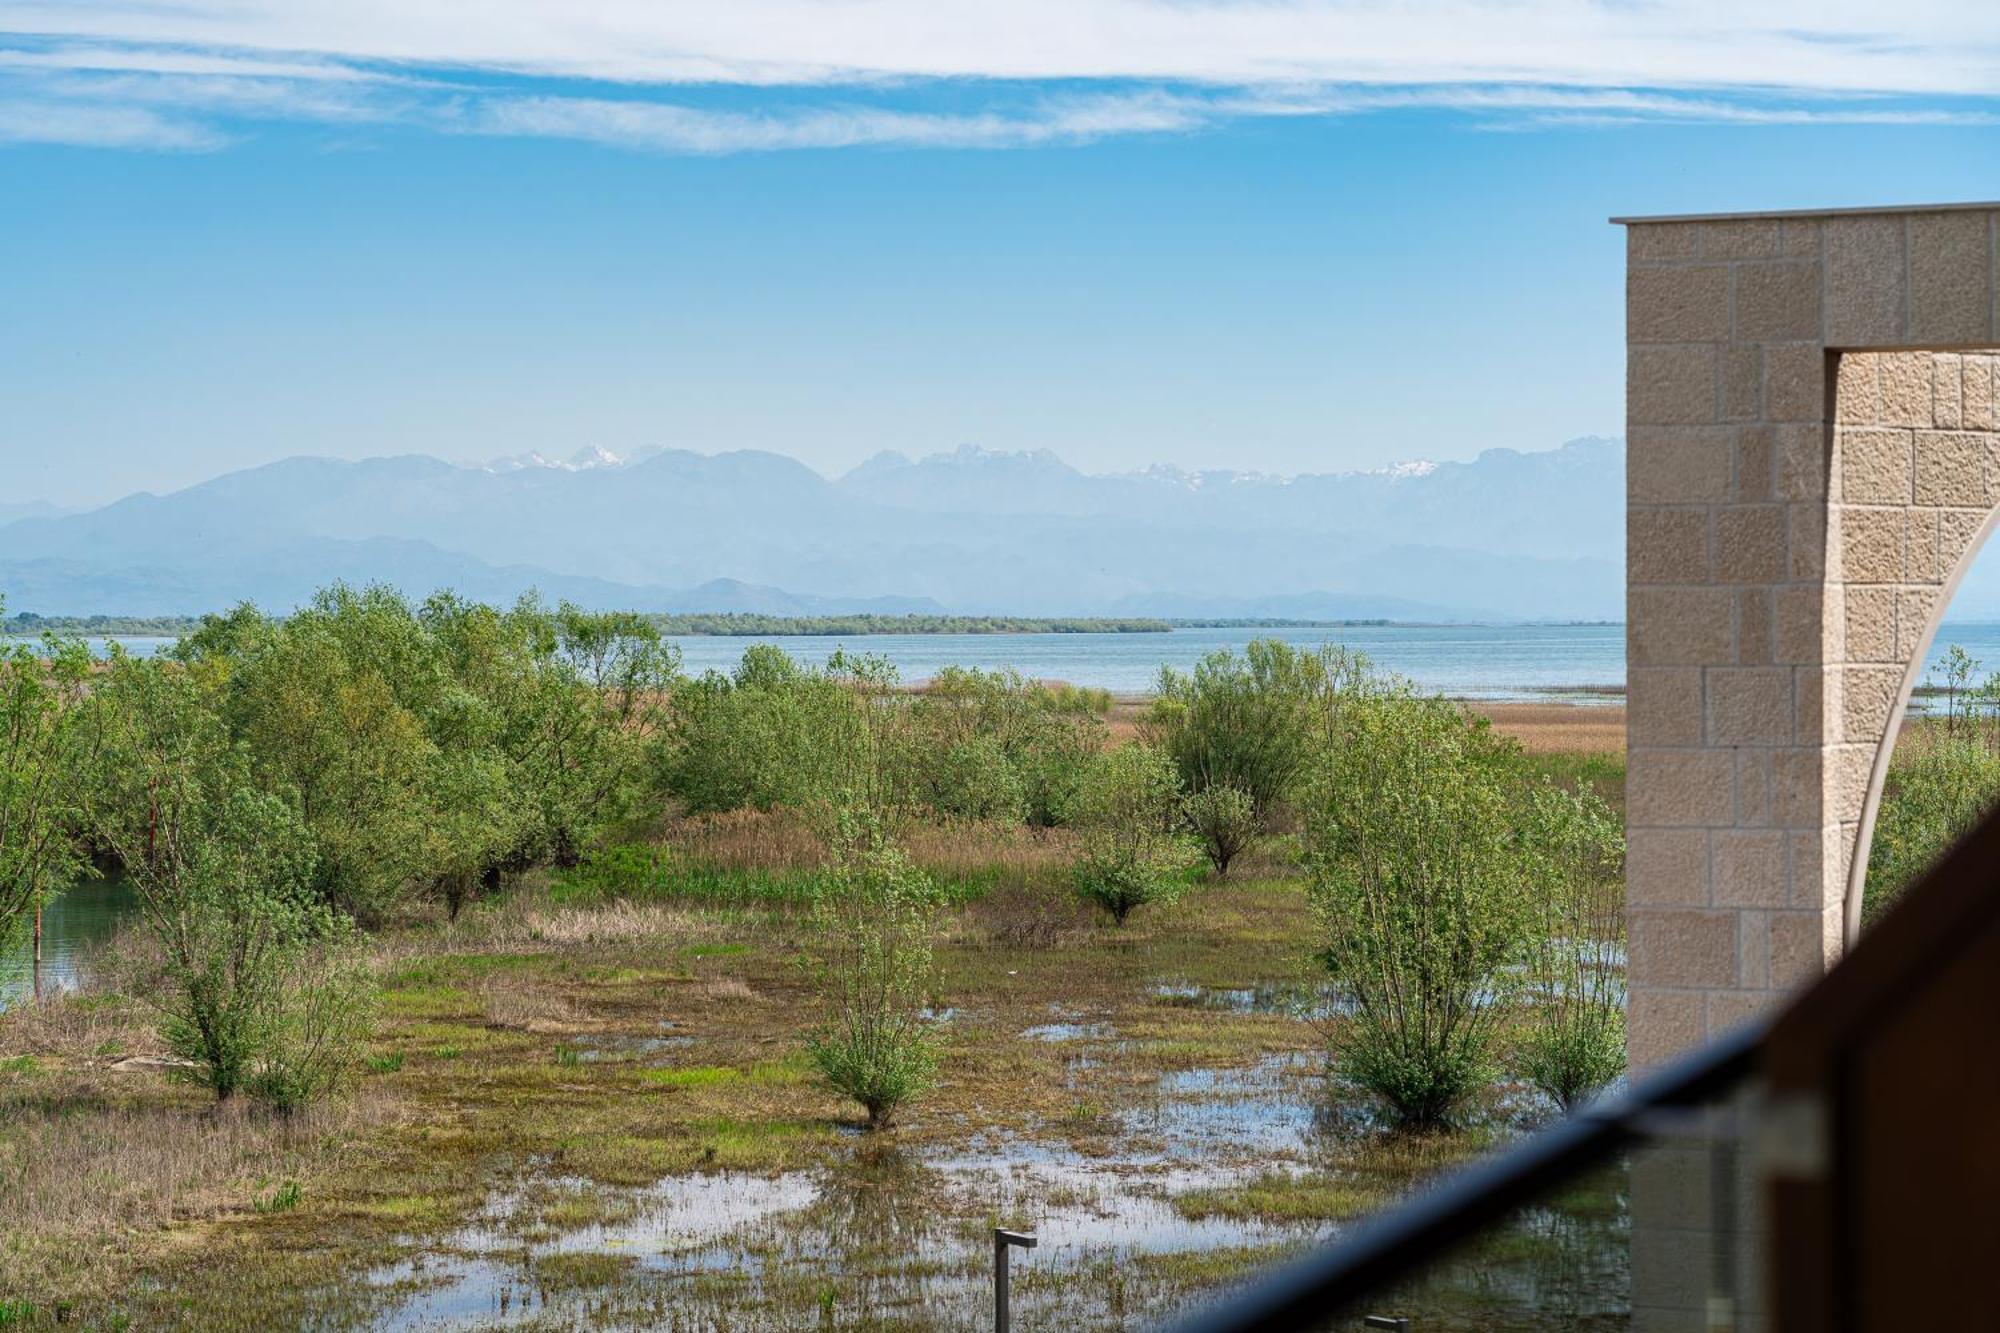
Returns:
point(1506, 536)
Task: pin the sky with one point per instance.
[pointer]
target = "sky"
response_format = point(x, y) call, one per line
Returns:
point(1308, 236)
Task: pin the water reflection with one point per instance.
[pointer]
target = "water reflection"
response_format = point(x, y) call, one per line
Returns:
point(73, 925)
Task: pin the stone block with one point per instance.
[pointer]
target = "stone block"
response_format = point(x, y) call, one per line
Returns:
point(1679, 788)
point(1958, 533)
point(1951, 275)
point(1908, 398)
point(1749, 868)
point(1731, 1009)
point(1803, 461)
point(1756, 464)
point(1663, 706)
point(1817, 874)
point(1743, 382)
point(1857, 389)
point(1952, 469)
point(1914, 609)
point(1794, 382)
point(1920, 545)
point(1753, 955)
point(1680, 464)
point(1804, 944)
point(1811, 697)
point(1797, 776)
point(1864, 281)
point(1648, 242)
point(1750, 544)
point(1682, 947)
point(1867, 697)
point(1808, 554)
point(1849, 766)
point(1739, 238)
point(1946, 374)
point(1666, 867)
point(1662, 1024)
point(1666, 545)
point(1683, 304)
point(1756, 627)
point(1874, 465)
point(1749, 706)
point(1976, 393)
point(1778, 301)
point(1756, 804)
point(1680, 626)
point(1871, 545)
point(1671, 1187)
point(1671, 384)
point(1799, 237)
point(1871, 623)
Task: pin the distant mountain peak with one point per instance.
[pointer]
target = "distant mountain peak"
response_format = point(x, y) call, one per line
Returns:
point(587, 459)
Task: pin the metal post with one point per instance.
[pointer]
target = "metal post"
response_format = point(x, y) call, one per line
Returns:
point(1392, 1322)
point(38, 952)
point(1003, 1240)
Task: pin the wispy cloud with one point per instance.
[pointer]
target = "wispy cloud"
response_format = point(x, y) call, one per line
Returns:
point(722, 76)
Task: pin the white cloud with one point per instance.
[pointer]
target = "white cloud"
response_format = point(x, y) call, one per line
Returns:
point(970, 73)
point(100, 127)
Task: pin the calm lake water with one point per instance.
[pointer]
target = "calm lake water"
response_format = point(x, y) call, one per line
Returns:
point(72, 925)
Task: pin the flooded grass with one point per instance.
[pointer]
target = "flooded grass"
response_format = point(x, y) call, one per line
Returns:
point(600, 1115)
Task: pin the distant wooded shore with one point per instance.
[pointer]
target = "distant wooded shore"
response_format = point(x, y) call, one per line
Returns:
point(745, 624)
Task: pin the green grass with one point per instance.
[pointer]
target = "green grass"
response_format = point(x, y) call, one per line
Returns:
point(701, 1076)
point(1278, 1197)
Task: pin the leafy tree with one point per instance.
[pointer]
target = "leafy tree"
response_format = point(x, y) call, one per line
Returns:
point(1132, 851)
point(1939, 788)
point(1251, 722)
point(41, 758)
point(1422, 894)
point(874, 927)
point(1575, 852)
point(1224, 821)
point(777, 734)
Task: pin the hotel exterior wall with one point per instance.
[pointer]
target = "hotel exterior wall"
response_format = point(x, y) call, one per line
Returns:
point(1782, 574)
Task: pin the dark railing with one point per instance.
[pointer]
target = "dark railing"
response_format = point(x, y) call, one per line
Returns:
point(1331, 1282)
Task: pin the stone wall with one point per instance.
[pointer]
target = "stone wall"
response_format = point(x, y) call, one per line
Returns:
point(1753, 727)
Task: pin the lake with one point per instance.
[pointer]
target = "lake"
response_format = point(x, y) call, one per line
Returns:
point(1494, 662)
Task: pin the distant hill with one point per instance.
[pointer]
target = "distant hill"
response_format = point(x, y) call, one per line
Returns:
point(1506, 536)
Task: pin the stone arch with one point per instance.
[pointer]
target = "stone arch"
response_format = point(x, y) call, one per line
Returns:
point(1915, 432)
point(1811, 459)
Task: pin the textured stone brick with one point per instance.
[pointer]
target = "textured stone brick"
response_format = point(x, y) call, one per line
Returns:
point(1798, 776)
point(1750, 544)
point(1871, 545)
point(1951, 256)
point(1803, 454)
point(1803, 945)
point(1671, 384)
point(1857, 389)
point(1946, 372)
point(1756, 627)
point(1666, 867)
point(1976, 393)
point(1666, 545)
point(1743, 382)
point(1756, 798)
point(1799, 237)
point(1907, 396)
point(1739, 238)
point(1756, 464)
point(1679, 464)
point(1679, 788)
point(1952, 469)
point(1777, 301)
point(1958, 531)
point(1920, 545)
point(1680, 626)
point(1749, 706)
point(1753, 954)
point(1682, 947)
point(1806, 546)
point(1809, 703)
point(1871, 623)
point(1682, 304)
point(1663, 706)
point(1875, 466)
point(1864, 281)
point(1914, 609)
point(1650, 241)
point(1731, 1009)
point(1663, 1024)
point(1867, 696)
point(1794, 382)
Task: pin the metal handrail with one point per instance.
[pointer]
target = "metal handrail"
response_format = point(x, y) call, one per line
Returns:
point(1302, 1294)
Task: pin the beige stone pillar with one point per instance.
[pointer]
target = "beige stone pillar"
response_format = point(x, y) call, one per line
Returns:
point(1783, 576)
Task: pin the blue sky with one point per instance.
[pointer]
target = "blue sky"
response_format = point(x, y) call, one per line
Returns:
point(1306, 237)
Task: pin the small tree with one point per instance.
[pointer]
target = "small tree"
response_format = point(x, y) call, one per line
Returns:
point(1132, 851)
point(1939, 788)
point(1419, 887)
point(875, 922)
point(1576, 1036)
point(1224, 820)
point(41, 763)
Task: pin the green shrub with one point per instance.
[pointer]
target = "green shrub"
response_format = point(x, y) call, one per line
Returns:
point(875, 921)
point(1422, 896)
point(1224, 821)
point(974, 779)
point(1131, 851)
point(1575, 1043)
point(1942, 781)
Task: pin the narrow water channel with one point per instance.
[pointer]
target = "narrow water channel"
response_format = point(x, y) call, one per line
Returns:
point(72, 925)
